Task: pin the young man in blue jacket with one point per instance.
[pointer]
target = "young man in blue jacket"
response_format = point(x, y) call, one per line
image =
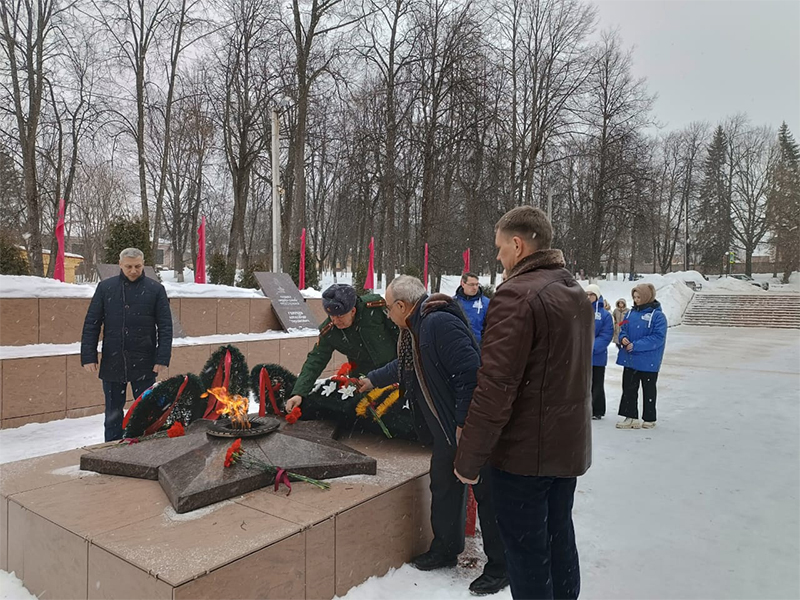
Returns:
point(643, 337)
point(603, 332)
point(133, 312)
point(470, 295)
point(437, 364)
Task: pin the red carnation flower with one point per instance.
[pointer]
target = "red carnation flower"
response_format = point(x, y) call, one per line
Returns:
point(293, 416)
point(233, 452)
point(177, 430)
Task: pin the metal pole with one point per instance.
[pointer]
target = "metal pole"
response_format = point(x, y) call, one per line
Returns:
point(276, 202)
point(686, 237)
point(550, 204)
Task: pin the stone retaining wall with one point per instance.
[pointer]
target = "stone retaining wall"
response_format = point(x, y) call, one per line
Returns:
point(25, 321)
point(41, 389)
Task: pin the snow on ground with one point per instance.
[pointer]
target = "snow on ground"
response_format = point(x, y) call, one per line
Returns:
point(11, 588)
point(39, 439)
point(702, 506)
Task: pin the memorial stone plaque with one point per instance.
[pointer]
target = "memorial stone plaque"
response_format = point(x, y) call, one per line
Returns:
point(106, 271)
point(287, 302)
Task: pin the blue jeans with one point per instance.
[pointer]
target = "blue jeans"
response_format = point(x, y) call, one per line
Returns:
point(534, 515)
point(115, 402)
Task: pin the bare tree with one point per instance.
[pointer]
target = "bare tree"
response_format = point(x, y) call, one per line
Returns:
point(550, 66)
point(619, 107)
point(73, 113)
point(182, 35)
point(312, 26)
point(135, 28)
point(244, 114)
point(389, 40)
point(29, 37)
point(754, 153)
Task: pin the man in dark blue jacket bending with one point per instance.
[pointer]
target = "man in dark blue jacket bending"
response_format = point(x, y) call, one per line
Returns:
point(437, 363)
point(133, 312)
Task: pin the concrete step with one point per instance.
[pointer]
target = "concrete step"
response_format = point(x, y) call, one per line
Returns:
point(775, 311)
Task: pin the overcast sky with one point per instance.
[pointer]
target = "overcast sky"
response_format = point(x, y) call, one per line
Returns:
point(708, 59)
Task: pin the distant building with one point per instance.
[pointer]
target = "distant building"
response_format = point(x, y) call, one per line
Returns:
point(71, 263)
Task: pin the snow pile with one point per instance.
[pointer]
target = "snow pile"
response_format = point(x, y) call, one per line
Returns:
point(31, 350)
point(671, 291)
point(24, 286)
point(208, 290)
point(730, 284)
point(311, 293)
point(170, 275)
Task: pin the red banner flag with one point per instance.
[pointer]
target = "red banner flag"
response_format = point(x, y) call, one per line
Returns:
point(369, 282)
point(302, 275)
point(425, 269)
point(200, 267)
point(58, 270)
point(466, 260)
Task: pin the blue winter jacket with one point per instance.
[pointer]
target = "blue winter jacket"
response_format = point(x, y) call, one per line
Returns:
point(603, 332)
point(475, 309)
point(646, 327)
point(446, 362)
point(137, 328)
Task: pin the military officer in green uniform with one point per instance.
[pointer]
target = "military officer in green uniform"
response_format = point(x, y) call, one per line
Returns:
point(359, 328)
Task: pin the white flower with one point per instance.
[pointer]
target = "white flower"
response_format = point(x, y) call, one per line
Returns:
point(329, 389)
point(347, 392)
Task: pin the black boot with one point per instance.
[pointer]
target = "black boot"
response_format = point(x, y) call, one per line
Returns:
point(430, 561)
point(488, 584)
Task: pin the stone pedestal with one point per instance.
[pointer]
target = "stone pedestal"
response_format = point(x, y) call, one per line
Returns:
point(69, 533)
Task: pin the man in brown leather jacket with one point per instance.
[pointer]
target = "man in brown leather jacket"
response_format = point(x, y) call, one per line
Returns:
point(530, 415)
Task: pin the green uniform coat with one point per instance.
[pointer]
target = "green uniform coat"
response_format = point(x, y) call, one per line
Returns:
point(370, 342)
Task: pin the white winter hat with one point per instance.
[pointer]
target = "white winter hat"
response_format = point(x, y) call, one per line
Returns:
point(593, 289)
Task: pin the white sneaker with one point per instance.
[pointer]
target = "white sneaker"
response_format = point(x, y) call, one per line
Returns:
point(648, 424)
point(628, 423)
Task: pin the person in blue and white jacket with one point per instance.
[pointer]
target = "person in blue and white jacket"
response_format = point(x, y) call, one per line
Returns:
point(603, 332)
point(470, 296)
point(642, 337)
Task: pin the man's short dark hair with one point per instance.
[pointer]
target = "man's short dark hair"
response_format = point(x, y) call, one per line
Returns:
point(529, 223)
point(467, 275)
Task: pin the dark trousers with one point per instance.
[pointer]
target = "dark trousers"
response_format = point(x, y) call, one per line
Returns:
point(449, 510)
point(629, 405)
point(534, 515)
point(115, 402)
point(598, 391)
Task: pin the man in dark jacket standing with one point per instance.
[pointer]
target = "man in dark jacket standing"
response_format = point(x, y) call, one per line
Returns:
point(133, 312)
point(437, 362)
point(530, 415)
